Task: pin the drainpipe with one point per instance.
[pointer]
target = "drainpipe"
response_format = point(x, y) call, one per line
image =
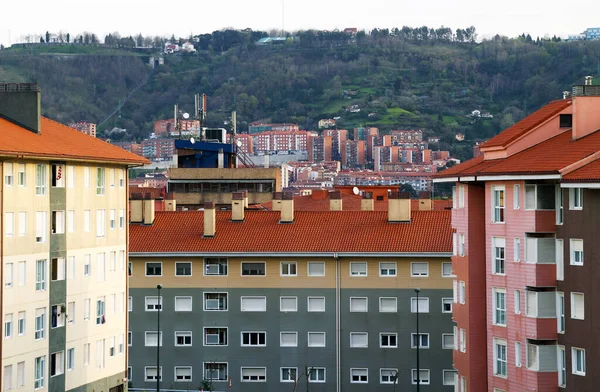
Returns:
point(338, 356)
point(2, 255)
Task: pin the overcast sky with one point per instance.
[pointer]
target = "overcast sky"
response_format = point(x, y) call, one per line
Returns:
point(153, 17)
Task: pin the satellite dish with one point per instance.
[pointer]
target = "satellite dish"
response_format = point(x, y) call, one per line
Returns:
point(186, 115)
point(239, 143)
point(192, 140)
point(355, 191)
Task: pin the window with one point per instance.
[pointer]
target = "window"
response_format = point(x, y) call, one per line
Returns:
point(183, 269)
point(461, 244)
point(288, 304)
point(558, 197)
point(121, 219)
point(100, 223)
point(182, 338)
point(21, 175)
point(57, 363)
point(215, 266)
point(423, 305)
point(153, 304)
point(288, 269)
point(100, 310)
point(215, 336)
point(388, 304)
point(517, 301)
point(500, 358)
point(462, 292)
point(254, 374)
point(517, 197)
point(421, 339)
point(448, 341)
point(316, 268)
point(150, 373)
point(316, 339)
point(447, 270)
point(86, 308)
point(58, 316)
point(359, 339)
point(498, 253)
point(182, 373)
point(86, 354)
point(22, 221)
point(578, 358)
point(58, 269)
point(40, 180)
point(214, 371)
point(576, 252)
point(575, 198)
point(577, 306)
point(447, 305)
point(8, 326)
point(518, 355)
point(183, 304)
point(359, 304)
point(419, 269)
point(254, 304)
point(388, 340)
point(288, 374)
point(112, 219)
point(112, 177)
point(316, 304)
point(358, 269)
point(8, 175)
point(121, 344)
point(122, 260)
point(20, 374)
point(9, 224)
point(40, 372)
point(215, 301)
point(316, 375)
point(288, 339)
point(498, 206)
point(560, 260)
point(463, 340)
point(253, 269)
point(100, 180)
point(254, 338)
point(21, 323)
point(113, 261)
point(359, 376)
point(448, 377)
point(517, 250)
point(560, 312)
point(58, 176)
point(532, 357)
point(562, 366)
point(153, 269)
point(388, 376)
point(8, 275)
point(499, 306)
point(387, 269)
point(152, 338)
point(461, 196)
point(40, 275)
point(41, 226)
point(129, 338)
point(87, 265)
point(422, 377)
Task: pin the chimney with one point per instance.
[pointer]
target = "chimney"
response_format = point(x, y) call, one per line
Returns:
point(398, 207)
point(20, 103)
point(170, 202)
point(245, 198)
point(136, 206)
point(148, 205)
point(335, 201)
point(210, 219)
point(425, 203)
point(287, 207)
point(266, 164)
point(367, 203)
point(220, 159)
point(237, 206)
point(277, 201)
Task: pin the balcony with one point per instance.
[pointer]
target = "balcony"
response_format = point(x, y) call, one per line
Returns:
point(540, 312)
point(539, 268)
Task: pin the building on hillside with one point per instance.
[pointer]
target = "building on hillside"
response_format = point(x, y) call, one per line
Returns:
point(407, 136)
point(353, 154)
point(319, 148)
point(420, 181)
point(64, 210)
point(158, 149)
point(280, 141)
point(592, 33)
point(245, 143)
point(136, 148)
point(363, 133)
point(338, 138)
point(253, 299)
point(166, 128)
point(326, 123)
point(85, 128)
point(525, 236)
point(257, 127)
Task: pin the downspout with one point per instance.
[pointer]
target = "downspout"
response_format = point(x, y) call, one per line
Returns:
point(338, 357)
point(127, 310)
point(2, 263)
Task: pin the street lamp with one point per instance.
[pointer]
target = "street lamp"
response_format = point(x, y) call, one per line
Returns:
point(417, 290)
point(158, 310)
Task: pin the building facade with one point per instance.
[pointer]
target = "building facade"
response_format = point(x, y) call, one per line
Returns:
point(298, 305)
point(63, 251)
point(319, 148)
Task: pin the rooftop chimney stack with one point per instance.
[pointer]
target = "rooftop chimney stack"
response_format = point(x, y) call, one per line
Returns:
point(149, 207)
point(210, 219)
point(398, 207)
point(287, 207)
point(367, 203)
point(20, 103)
point(237, 206)
point(170, 202)
point(425, 203)
point(276, 201)
point(137, 207)
point(589, 80)
point(566, 94)
point(335, 201)
point(245, 198)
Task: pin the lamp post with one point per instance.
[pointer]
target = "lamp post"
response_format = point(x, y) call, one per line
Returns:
point(159, 306)
point(417, 290)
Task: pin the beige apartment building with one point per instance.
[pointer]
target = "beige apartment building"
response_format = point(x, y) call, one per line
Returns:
point(63, 252)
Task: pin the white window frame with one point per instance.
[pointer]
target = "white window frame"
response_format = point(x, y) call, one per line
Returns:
point(183, 275)
point(516, 250)
point(381, 299)
point(561, 359)
point(285, 266)
point(421, 336)
point(281, 303)
point(281, 335)
point(422, 381)
point(496, 308)
point(560, 312)
point(498, 209)
point(310, 299)
point(159, 338)
point(462, 292)
point(159, 373)
point(219, 344)
point(447, 301)
point(445, 275)
point(390, 377)
point(444, 345)
point(360, 374)
point(290, 377)
point(212, 364)
point(158, 307)
point(183, 334)
point(219, 293)
point(500, 357)
point(560, 259)
point(387, 267)
point(575, 253)
point(184, 379)
point(218, 261)
point(308, 269)
point(362, 334)
point(420, 274)
point(259, 275)
point(183, 297)
point(517, 301)
point(516, 197)
point(263, 379)
point(153, 262)
point(359, 272)
point(317, 345)
point(454, 375)
point(359, 301)
point(388, 335)
point(518, 354)
point(461, 196)
point(575, 198)
point(498, 256)
point(413, 307)
point(249, 297)
point(574, 314)
point(575, 351)
point(317, 380)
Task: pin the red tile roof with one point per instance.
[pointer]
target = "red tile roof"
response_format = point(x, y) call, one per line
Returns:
point(528, 123)
point(58, 141)
point(589, 172)
point(335, 231)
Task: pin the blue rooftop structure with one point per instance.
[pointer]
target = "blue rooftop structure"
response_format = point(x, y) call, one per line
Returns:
point(203, 154)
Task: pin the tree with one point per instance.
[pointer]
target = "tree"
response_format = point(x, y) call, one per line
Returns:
point(409, 188)
point(68, 38)
point(47, 37)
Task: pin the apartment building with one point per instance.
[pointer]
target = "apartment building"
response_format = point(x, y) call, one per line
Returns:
point(276, 141)
point(319, 148)
point(63, 254)
point(524, 221)
point(261, 300)
point(338, 139)
point(85, 127)
point(353, 154)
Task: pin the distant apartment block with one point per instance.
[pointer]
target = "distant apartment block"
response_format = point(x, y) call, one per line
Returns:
point(257, 127)
point(158, 149)
point(327, 123)
point(280, 141)
point(319, 148)
point(363, 133)
point(136, 148)
point(353, 154)
point(85, 128)
point(403, 136)
point(163, 128)
point(420, 181)
point(338, 138)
